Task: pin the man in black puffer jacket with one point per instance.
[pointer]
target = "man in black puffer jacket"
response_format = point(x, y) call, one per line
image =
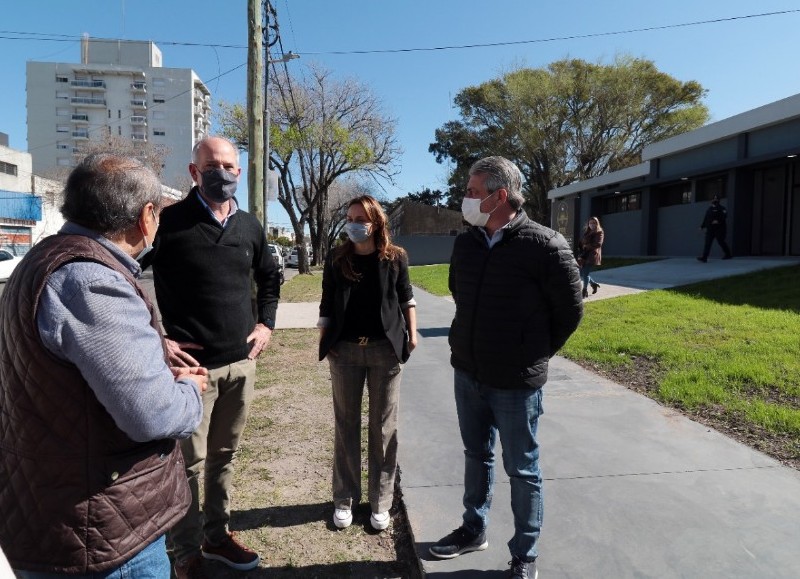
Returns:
point(518, 298)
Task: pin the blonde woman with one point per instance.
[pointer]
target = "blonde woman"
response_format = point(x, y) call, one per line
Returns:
point(367, 329)
point(591, 247)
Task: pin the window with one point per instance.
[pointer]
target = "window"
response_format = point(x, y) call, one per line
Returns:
point(119, 113)
point(61, 78)
point(8, 168)
point(158, 98)
point(63, 146)
point(62, 94)
point(676, 194)
point(619, 203)
point(119, 130)
point(159, 132)
point(62, 129)
point(707, 188)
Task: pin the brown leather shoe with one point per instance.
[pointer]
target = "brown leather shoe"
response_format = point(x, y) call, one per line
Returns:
point(233, 553)
point(191, 568)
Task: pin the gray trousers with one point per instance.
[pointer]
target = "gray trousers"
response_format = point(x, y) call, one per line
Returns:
point(213, 445)
point(351, 365)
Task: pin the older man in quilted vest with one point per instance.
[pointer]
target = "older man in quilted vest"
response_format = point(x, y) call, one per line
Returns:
point(89, 409)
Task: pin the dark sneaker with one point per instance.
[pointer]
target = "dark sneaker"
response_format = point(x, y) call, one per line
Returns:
point(703, 259)
point(523, 569)
point(191, 568)
point(457, 543)
point(233, 553)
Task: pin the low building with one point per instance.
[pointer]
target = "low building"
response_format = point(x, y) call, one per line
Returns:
point(426, 232)
point(29, 205)
point(655, 208)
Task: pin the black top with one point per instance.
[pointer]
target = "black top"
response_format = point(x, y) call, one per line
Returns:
point(394, 294)
point(363, 314)
point(202, 275)
point(516, 303)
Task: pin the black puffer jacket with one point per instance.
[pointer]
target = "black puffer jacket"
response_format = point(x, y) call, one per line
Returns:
point(516, 303)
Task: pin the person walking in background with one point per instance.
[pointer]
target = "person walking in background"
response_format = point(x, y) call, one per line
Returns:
point(591, 248)
point(203, 256)
point(715, 222)
point(518, 298)
point(367, 329)
point(92, 476)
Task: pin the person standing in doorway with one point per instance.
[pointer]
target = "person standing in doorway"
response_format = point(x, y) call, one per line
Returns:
point(715, 224)
point(205, 252)
point(591, 247)
point(518, 298)
point(368, 327)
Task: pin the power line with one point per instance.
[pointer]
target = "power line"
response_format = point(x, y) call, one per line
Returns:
point(71, 38)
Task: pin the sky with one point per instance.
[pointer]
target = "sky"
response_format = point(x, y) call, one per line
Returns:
point(416, 55)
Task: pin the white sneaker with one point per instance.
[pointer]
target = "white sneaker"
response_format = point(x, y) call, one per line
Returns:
point(342, 518)
point(379, 521)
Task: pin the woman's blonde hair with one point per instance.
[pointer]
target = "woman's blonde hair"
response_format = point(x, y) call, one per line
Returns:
point(343, 254)
point(599, 227)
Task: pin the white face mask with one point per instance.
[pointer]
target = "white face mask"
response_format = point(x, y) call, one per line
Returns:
point(148, 247)
point(471, 210)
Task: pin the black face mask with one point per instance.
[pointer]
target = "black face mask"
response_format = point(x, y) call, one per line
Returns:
point(218, 185)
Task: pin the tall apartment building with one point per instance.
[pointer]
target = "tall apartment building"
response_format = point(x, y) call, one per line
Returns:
point(120, 88)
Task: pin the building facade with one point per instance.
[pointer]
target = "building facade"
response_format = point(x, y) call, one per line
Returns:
point(655, 208)
point(29, 205)
point(119, 89)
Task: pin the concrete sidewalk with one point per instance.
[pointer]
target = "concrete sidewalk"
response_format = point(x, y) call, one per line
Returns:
point(632, 489)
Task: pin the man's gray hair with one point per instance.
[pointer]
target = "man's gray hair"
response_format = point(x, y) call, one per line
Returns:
point(107, 192)
point(201, 142)
point(501, 174)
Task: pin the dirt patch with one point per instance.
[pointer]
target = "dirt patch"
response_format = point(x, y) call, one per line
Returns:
point(643, 376)
point(282, 499)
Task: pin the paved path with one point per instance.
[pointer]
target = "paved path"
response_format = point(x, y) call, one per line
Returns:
point(632, 489)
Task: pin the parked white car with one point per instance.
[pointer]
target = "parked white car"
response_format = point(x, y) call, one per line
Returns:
point(294, 258)
point(277, 254)
point(278, 257)
point(8, 261)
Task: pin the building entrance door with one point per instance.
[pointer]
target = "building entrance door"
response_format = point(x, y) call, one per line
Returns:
point(769, 211)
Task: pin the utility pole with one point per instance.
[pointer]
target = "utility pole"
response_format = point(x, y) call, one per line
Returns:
point(256, 176)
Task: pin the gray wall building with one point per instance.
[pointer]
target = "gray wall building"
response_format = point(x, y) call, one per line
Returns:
point(655, 208)
point(119, 88)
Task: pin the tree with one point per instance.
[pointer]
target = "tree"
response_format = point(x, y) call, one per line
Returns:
point(570, 121)
point(321, 130)
point(151, 155)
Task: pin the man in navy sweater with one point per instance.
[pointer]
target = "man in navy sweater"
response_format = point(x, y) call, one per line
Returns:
point(202, 259)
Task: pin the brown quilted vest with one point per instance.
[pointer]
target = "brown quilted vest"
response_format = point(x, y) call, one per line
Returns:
point(76, 494)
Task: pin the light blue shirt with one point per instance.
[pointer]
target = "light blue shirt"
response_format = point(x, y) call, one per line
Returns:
point(224, 222)
point(91, 316)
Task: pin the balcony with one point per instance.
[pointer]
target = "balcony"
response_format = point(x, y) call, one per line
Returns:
point(88, 101)
point(80, 135)
point(138, 87)
point(139, 103)
point(139, 137)
point(139, 120)
point(199, 95)
point(80, 118)
point(93, 84)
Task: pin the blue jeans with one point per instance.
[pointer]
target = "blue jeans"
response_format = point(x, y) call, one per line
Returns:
point(483, 412)
point(586, 270)
point(150, 563)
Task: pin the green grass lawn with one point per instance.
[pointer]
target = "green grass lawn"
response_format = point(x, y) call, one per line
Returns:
point(728, 348)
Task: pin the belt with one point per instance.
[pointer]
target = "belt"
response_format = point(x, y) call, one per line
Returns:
point(363, 340)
